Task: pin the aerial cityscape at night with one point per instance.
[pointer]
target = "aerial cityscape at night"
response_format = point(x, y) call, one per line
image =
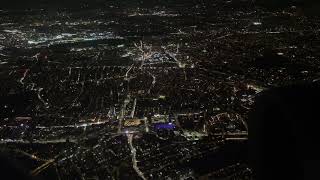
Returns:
point(144, 89)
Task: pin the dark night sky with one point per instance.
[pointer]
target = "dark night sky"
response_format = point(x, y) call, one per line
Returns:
point(308, 7)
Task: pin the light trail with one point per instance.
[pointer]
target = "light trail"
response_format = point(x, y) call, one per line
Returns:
point(40, 98)
point(24, 76)
point(134, 159)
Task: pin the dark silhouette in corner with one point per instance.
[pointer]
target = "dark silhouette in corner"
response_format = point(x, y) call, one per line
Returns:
point(284, 133)
point(12, 170)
